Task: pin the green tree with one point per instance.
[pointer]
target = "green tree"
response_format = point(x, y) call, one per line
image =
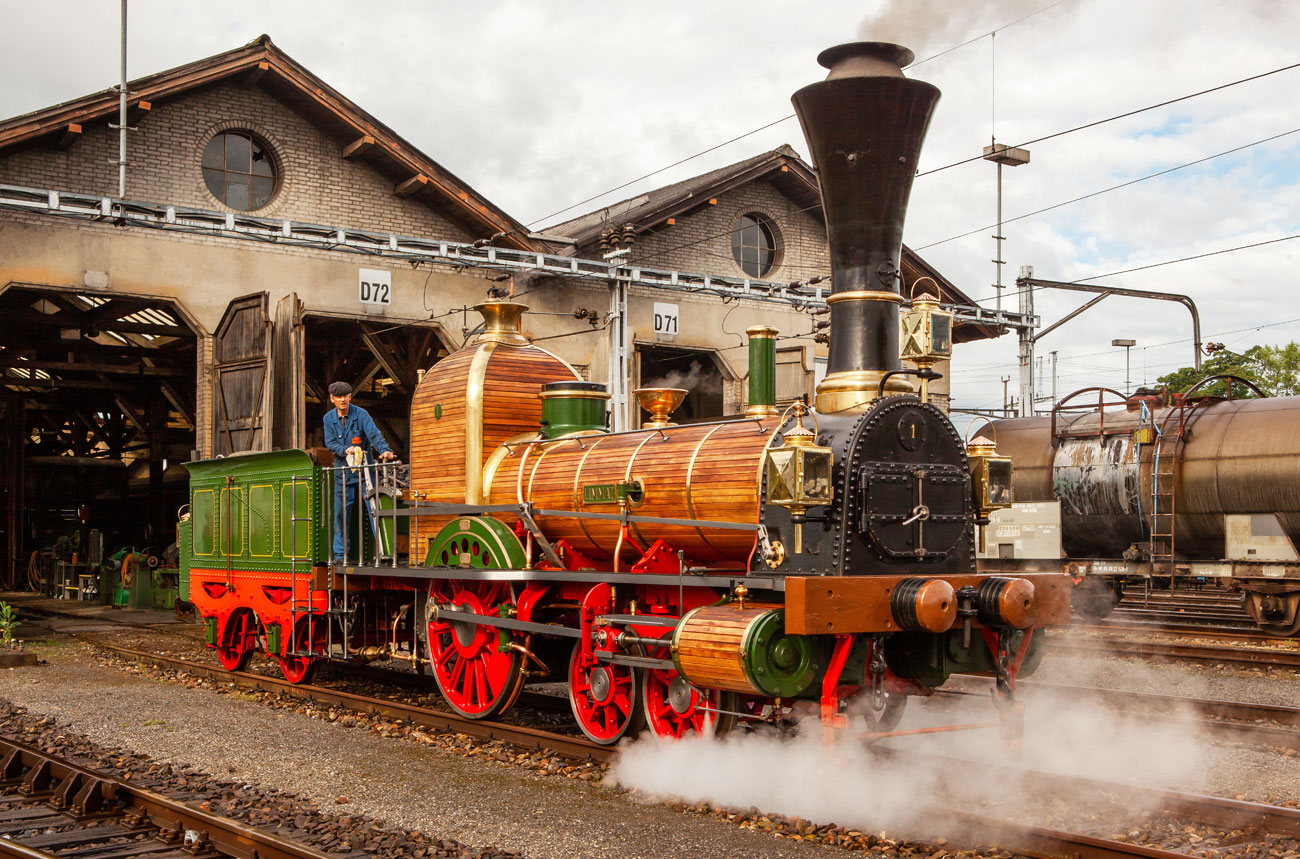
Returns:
point(1275, 369)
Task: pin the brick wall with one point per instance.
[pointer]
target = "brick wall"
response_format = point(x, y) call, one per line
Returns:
point(317, 185)
point(701, 241)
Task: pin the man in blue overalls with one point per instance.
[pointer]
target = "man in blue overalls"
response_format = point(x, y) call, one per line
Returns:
point(348, 426)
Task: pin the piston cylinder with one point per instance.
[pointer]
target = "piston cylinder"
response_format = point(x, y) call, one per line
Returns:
point(746, 650)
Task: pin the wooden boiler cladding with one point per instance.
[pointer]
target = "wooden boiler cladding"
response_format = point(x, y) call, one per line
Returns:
point(696, 471)
point(464, 408)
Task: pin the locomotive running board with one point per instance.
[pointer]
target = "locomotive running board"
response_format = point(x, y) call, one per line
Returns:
point(825, 605)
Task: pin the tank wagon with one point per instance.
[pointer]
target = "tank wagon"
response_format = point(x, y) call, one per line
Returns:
point(1202, 487)
point(674, 577)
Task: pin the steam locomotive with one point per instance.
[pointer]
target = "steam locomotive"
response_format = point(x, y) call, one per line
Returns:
point(677, 578)
point(1133, 489)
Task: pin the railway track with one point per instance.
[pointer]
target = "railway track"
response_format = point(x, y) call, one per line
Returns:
point(1228, 721)
point(1172, 650)
point(1267, 822)
point(53, 807)
point(578, 748)
point(1217, 820)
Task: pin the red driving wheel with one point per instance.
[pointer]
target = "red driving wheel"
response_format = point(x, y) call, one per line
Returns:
point(475, 676)
point(675, 708)
point(308, 638)
point(605, 701)
point(238, 639)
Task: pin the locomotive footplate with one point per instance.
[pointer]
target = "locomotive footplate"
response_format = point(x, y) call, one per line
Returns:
point(829, 605)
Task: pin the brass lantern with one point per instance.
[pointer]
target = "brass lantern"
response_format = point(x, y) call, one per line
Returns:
point(799, 474)
point(925, 334)
point(990, 479)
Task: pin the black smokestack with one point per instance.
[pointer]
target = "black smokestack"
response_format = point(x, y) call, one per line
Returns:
point(864, 125)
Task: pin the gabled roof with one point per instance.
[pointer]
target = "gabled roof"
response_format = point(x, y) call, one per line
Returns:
point(783, 168)
point(263, 64)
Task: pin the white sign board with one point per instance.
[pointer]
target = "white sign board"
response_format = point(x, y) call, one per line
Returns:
point(375, 287)
point(666, 316)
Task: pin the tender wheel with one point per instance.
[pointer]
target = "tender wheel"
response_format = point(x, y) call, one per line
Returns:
point(605, 700)
point(308, 637)
point(476, 678)
point(238, 640)
point(675, 709)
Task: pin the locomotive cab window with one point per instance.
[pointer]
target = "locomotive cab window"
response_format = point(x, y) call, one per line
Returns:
point(240, 170)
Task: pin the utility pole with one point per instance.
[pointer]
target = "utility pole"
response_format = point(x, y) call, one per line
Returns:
point(1054, 395)
point(1008, 156)
point(1128, 376)
point(121, 117)
point(619, 242)
point(1006, 406)
point(1026, 344)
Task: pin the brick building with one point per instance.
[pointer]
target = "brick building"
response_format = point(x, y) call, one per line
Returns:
point(208, 310)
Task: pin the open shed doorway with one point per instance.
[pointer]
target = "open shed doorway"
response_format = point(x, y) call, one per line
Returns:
point(382, 361)
point(696, 370)
point(98, 393)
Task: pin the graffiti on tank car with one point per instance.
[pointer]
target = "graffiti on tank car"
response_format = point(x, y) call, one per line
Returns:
point(1097, 476)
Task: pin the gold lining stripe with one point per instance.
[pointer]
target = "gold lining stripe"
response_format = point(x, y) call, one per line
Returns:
point(864, 295)
point(474, 383)
point(577, 377)
point(758, 485)
point(577, 493)
point(690, 470)
point(494, 462)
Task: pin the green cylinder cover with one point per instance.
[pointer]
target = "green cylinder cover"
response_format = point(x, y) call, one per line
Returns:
point(762, 371)
point(777, 663)
point(572, 407)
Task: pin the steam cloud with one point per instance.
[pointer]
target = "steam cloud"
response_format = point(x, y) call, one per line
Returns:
point(927, 26)
point(690, 380)
point(854, 786)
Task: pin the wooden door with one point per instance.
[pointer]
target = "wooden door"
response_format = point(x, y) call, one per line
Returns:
point(241, 351)
point(288, 406)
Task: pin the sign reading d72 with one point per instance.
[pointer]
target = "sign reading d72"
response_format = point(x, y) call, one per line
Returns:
point(375, 287)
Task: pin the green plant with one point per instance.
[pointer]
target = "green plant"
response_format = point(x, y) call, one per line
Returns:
point(8, 622)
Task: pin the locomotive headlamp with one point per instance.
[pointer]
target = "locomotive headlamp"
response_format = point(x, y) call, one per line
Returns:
point(990, 479)
point(799, 474)
point(925, 332)
point(925, 335)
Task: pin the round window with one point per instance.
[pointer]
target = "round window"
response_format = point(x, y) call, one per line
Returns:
point(239, 170)
point(753, 245)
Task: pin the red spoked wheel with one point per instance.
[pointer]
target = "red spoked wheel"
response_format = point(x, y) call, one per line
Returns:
point(237, 640)
point(675, 708)
point(606, 699)
point(477, 679)
point(308, 638)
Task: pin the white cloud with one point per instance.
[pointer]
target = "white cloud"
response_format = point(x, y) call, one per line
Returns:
point(541, 105)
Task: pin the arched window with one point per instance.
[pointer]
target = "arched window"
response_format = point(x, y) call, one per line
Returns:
point(240, 170)
point(753, 246)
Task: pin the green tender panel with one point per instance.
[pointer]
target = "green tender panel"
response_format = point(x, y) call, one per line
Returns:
point(261, 520)
point(476, 541)
point(183, 544)
point(203, 513)
point(265, 509)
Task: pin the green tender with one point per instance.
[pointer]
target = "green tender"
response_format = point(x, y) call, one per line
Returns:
point(245, 508)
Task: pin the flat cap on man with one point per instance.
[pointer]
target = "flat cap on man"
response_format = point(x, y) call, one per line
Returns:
point(340, 389)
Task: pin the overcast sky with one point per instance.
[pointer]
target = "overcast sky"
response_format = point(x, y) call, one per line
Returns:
point(542, 105)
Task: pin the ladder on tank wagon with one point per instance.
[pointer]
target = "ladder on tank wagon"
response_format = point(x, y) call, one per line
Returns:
point(1171, 435)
